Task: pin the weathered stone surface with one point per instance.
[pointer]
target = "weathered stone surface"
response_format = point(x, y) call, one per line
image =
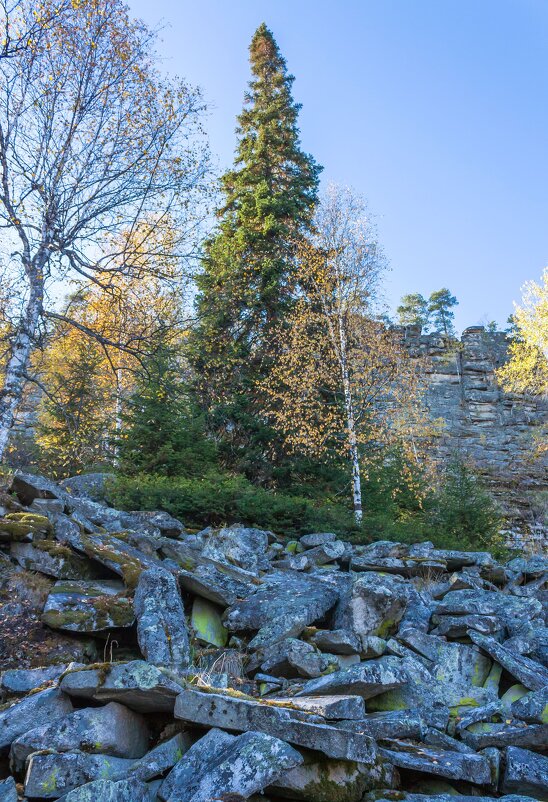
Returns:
point(532, 707)
point(245, 766)
point(376, 604)
point(179, 782)
point(51, 558)
point(513, 733)
point(163, 757)
point(40, 708)
point(530, 673)
point(290, 658)
point(457, 626)
point(317, 539)
point(207, 624)
point(400, 723)
point(161, 625)
point(526, 772)
point(88, 606)
point(331, 781)
point(131, 790)
point(109, 730)
point(232, 713)
point(515, 612)
point(238, 545)
point(337, 641)
point(138, 685)
point(122, 558)
point(329, 707)
point(8, 791)
point(214, 584)
point(321, 555)
point(365, 679)
point(87, 485)
point(21, 680)
point(28, 487)
point(453, 765)
point(282, 607)
point(50, 776)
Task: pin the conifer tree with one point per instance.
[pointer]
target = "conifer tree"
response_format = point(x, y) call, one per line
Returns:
point(440, 305)
point(413, 310)
point(245, 287)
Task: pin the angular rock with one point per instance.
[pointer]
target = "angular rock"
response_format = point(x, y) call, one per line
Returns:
point(51, 558)
point(40, 708)
point(88, 606)
point(24, 527)
point(163, 757)
point(109, 730)
point(317, 539)
point(376, 605)
point(120, 557)
point(23, 680)
point(215, 710)
point(131, 790)
point(532, 707)
point(207, 623)
point(515, 612)
point(443, 763)
point(329, 780)
point(366, 679)
point(181, 780)
point(245, 766)
point(52, 775)
point(161, 625)
point(87, 485)
point(289, 658)
point(530, 673)
point(238, 545)
point(457, 626)
point(8, 791)
point(28, 487)
point(525, 772)
point(400, 723)
point(283, 605)
point(337, 641)
point(214, 584)
point(329, 707)
point(137, 684)
point(163, 521)
point(327, 553)
point(512, 733)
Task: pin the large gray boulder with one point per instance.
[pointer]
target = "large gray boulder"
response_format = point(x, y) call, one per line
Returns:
point(8, 791)
point(530, 673)
point(284, 604)
point(328, 780)
point(42, 708)
point(443, 763)
point(375, 606)
point(161, 625)
point(525, 772)
point(515, 612)
point(366, 679)
point(244, 766)
point(137, 684)
point(109, 730)
point(163, 757)
point(88, 606)
point(238, 545)
point(49, 776)
point(23, 680)
point(242, 715)
point(532, 707)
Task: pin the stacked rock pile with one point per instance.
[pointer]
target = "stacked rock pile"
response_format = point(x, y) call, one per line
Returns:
point(230, 665)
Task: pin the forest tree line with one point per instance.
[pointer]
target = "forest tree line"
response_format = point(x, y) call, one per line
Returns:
point(241, 368)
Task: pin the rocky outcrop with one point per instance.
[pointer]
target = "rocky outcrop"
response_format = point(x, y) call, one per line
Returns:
point(496, 431)
point(233, 672)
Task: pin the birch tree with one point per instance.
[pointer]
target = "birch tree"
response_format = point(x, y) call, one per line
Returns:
point(92, 143)
point(341, 378)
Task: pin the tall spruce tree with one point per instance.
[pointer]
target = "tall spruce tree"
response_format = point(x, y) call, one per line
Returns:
point(245, 286)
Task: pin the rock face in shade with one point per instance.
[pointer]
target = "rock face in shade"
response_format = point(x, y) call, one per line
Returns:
point(161, 624)
point(311, 671)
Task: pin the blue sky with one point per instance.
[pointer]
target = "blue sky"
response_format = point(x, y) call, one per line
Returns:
point(435, 110)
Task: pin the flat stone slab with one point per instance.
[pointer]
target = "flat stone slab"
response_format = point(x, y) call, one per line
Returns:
point(120, 557)
point(329, 780)
point(109, 730)
point(284, 604)
point(44, 707)
point(88, 606)
point(516, 612)
point(23, 680)
point(241, 715)
point(53, 559)
point(329, 707)
point(162, 631)
point(515, 733)
point(50, 776)
point(532, 707)
point(453, 765)
point(138, 685)
point(8, 791)
point(366, 679)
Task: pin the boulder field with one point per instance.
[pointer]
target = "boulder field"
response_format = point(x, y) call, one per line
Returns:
point(144, 663)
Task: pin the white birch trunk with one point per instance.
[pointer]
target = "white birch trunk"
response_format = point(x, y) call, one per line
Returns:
point(17, 366)
point(351, 428)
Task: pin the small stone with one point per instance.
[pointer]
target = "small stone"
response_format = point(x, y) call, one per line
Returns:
point(130, 790)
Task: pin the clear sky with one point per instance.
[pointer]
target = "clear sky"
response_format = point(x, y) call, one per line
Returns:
point(435, 110)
